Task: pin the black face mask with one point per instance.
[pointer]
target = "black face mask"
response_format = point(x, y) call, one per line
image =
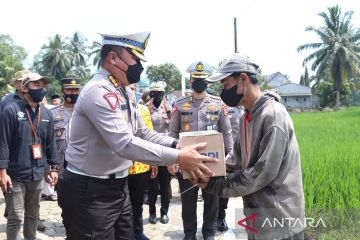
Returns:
point(199, 86)
point(37, 94)
point(71, 98)
point(133, 73)
point(157, 98)
point(230, 97)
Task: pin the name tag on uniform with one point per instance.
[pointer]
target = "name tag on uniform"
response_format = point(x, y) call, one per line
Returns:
point(36, 149)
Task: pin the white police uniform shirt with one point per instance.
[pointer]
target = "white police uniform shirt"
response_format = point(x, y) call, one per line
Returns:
point(105, 136)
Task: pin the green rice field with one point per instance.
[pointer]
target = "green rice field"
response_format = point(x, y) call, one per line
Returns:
point(330, 153)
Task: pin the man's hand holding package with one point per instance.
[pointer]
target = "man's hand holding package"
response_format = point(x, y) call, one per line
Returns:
point(192, 161)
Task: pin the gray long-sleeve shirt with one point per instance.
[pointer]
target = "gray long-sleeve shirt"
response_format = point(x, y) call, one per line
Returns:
point(107, 132)
point(268, 168)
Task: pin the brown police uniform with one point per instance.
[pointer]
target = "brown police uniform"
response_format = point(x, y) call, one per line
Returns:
point(199, 115)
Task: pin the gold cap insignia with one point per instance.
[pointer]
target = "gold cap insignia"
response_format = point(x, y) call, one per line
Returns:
point(199, 67)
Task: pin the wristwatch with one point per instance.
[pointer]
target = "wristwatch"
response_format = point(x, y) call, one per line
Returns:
point(54, 168)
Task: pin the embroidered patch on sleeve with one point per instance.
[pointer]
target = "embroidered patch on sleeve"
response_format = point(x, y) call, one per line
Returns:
point(112, 100)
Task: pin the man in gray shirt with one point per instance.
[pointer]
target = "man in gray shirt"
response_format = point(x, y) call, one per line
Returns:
point(265, 157)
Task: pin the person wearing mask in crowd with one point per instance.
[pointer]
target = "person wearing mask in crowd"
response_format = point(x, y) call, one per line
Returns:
point(199, 112)
point(160, 113)
point(27, 141)
point(55, 100)
point(139, 174)
point(107, 134)
point(265, 163)
point(6, 100)
point(18, 94)
point(70, 89)
point(234, 114)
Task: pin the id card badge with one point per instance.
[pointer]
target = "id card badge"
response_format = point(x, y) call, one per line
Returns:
point(36, 149)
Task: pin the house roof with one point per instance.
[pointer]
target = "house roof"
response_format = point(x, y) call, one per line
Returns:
point(277, 79)
point(293, 89)
point(285, 87)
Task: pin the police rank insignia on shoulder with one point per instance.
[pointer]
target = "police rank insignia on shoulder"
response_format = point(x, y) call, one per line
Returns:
point(112, 100)
point(113, 81)
point(211, 108)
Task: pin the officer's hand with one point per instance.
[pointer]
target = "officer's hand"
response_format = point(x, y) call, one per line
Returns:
point(5, 182)
point(173, 169)
point(192, 161)
point(154, 172)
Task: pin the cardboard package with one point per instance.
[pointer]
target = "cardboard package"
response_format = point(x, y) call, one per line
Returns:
point(214, 148)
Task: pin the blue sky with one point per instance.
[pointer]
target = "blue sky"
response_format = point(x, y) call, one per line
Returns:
point(181, 31)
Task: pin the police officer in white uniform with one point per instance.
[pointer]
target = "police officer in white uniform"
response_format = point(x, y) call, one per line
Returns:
point(199, 112)
point(106, 131)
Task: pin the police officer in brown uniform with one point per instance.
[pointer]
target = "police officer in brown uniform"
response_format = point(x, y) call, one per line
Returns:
point(199, 112)
point(160, 113)
point(106, 132)
point(234, 114)
point(70, 90)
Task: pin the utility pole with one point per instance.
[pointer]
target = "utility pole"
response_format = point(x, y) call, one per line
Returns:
point(235, 36)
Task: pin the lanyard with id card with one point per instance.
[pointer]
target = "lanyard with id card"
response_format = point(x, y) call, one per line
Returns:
point(36, 147)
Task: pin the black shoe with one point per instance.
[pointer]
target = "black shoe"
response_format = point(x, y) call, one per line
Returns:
point(222, 225)
point(141, 236)
point(153, 219)
point(164, 219)
point(40, 226)
point(189, 238)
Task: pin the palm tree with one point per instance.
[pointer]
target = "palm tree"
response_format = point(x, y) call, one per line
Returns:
point(95, 50)
point(78, 50)
point(55, 58)
point(338, 51)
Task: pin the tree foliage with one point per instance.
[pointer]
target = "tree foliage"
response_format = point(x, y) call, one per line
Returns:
point(11, 58)
point(166, 72)
point(338, 50)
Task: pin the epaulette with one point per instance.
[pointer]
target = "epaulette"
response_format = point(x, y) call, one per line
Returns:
point(106, 87)
point(214, 97)
point(182, 99)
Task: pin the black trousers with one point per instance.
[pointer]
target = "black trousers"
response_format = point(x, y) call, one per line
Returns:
point(163, 179)
point(189, 205)
point(137, 184)
point(94, 208)
point(223, 204)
